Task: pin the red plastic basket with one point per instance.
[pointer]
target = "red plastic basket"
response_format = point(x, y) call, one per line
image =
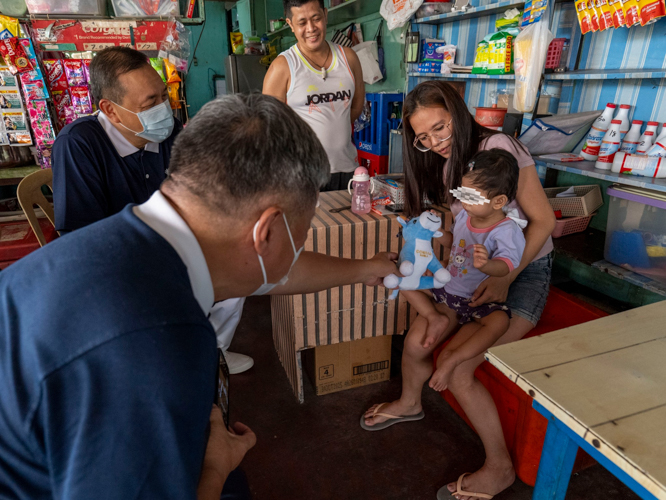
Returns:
point(571, 225)
point(554, 53)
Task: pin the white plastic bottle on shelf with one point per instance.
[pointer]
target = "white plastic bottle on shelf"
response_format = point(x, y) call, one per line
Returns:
point(623, 115)
point(647, 166)
point(630, 141)
point(647, 139)
point(594, 137)
point(609, 146)
point(659, 148)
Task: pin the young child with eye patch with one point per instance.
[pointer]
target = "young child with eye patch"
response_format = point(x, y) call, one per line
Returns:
point(484, 242)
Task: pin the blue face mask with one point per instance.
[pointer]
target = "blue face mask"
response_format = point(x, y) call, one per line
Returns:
point(157, 122)
point(267, 287)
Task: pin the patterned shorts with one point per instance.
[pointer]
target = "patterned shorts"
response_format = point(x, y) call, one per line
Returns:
point(465, 312)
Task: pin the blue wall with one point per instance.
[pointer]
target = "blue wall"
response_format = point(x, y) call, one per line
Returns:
point(212, 50)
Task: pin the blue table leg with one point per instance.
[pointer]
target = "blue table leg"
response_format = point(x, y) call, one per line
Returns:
point(556, 465)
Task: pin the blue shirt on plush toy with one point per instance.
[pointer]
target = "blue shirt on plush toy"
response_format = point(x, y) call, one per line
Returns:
point(417, 256)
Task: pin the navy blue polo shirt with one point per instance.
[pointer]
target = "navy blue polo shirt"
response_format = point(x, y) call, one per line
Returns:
point(108, 368)
point(92, 180)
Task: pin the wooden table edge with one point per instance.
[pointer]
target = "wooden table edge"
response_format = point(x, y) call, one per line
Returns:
point(621, 461)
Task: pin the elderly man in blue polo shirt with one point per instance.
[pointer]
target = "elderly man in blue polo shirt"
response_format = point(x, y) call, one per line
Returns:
point(108, 363)
point(121, 155)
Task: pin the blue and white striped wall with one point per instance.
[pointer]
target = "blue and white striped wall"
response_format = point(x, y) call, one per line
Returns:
point(624, 48)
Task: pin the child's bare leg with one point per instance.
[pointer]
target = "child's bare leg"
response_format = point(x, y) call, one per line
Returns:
point(472, 339)
point(437, 323)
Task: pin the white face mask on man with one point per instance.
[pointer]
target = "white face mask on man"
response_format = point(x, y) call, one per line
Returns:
point(157, 122)
point(267, 287)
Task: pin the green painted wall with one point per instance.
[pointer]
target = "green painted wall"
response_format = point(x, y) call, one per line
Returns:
point(211, 52)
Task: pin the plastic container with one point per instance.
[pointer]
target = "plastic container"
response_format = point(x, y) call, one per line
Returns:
point(633, 137)
point(374, 138)
point(592, 142)
point(80, 7)
point(636, 231)
point(659, 148)
point(609, 146)
point(137, 8)
point(492, 118)
point(361, 201)
point(587, 200)
point(523, 427)
point(571, 225)
point(648, 137)
point(555, 53)
point(623, 116)
point(645, 166)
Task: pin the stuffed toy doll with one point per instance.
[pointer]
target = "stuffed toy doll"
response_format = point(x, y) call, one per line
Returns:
point(417, 256)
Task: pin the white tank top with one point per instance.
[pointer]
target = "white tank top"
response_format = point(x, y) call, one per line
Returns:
point(325, 105)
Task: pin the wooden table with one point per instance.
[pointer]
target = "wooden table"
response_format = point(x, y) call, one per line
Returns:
point(602, 387)
point(348, 312)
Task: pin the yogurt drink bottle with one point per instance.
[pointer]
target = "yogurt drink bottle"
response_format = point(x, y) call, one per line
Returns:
point(647, 139)
point(609, 146)
point(630, 141)
point(623, 115)
point(594, 137)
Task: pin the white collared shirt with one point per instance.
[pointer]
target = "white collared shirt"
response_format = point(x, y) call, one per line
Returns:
point(160, 216)
point(122, 145)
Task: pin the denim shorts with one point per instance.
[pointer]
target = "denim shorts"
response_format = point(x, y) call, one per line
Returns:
point(529, 292)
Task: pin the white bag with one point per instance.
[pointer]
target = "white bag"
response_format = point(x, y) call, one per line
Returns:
point(369, 58)
point(398, 12)
point(529, 48)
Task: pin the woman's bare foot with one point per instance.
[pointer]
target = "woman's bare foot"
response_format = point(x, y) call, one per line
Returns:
point(437, 325)
point(397, 408)
point(489, 479)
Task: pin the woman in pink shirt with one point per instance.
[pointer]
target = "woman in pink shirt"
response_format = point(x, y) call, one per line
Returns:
point(440, 137)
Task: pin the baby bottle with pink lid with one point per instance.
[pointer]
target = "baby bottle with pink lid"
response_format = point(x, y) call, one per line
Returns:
point(361, 201)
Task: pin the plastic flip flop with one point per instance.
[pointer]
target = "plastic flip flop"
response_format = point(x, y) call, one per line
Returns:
point(392, 419)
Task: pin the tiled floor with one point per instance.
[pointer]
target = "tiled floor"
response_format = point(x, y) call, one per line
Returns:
point(317, 450)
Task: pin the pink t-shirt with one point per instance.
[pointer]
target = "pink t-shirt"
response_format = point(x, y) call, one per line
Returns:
point(524, 159)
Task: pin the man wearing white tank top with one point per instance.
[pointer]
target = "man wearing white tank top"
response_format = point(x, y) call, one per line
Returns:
point(323, 83)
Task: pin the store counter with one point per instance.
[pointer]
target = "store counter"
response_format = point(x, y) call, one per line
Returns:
point(345, 313)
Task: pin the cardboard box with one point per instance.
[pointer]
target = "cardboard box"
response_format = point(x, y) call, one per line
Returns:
point(505, 101)
point(345, 313)
point(343, 366)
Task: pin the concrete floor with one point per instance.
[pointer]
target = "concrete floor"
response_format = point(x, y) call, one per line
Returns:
point(317, 450)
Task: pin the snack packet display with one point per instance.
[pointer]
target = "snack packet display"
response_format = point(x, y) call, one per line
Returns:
point(174, 97)
point(81, 100)
point(605, 15)
point(44, 155)
point(481, 58)
point(236, 42)
point(86, 67)
point(176, 45)
point(594, 17)
point(617, 13)
point(156, 63)
point(583, 16)
point(14, 55)
point(40, 121)
point(55, 74)
point(9, 25)
point(61, 101)
point(35, 90)
point(171, 72)
point(630, 8)
point(650, 10)
point(76, 74)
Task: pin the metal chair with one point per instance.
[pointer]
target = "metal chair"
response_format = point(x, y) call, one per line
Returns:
point(29, 194)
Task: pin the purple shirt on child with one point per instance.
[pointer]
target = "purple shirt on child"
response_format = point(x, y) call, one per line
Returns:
point(504, 241)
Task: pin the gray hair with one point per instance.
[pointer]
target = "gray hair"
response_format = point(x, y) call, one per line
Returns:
point(239, 149)
point(107, 66)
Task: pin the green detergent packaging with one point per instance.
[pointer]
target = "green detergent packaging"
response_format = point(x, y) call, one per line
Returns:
point(500, 52)
point(481, 58)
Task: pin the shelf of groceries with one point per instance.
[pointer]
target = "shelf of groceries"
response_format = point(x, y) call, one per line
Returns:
point(607, 74)
point(472, 12)
point(473, 76)
point(587, 169)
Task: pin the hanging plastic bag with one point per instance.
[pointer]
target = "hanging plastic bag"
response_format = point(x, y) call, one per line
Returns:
point(530, 48)
point(369, 59)
point(176, 45)
point(398, 12)
point(364, 118)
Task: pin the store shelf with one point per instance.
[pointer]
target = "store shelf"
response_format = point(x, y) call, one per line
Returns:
point(282, 32)
point(607, 74)
point(587, 248)
point(468, 76)
point(12, 176)
point(483, 10)
point(587, 169)
point(631, 277)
